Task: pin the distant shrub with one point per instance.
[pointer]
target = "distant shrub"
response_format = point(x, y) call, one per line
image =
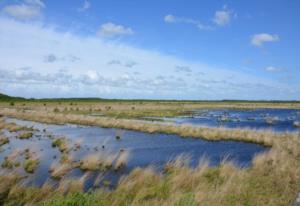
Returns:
point(12, 104)
point(56, 109)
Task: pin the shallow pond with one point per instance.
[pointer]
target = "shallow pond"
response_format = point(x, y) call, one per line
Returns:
point(280, 120)
point(145, 149)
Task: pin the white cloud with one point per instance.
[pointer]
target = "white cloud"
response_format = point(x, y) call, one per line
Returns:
point(259, 39)
point(22, 11)
point(222, 17)
point(86, 5)
point(38, 3)
point(174, 19)
point(273, 69)
point(30, 9)
point(110, 29)
point(24, 73)
point(170, 18)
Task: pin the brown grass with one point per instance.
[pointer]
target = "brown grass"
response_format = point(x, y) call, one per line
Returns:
point(121, 160)
point(97, 161)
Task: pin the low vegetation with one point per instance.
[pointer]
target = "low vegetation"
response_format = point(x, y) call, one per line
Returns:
point(25, 135)
point(61, 144)
point(3, 140)
point(121, 160)
point(57, 171)
point(30, 165)
point(97, 161)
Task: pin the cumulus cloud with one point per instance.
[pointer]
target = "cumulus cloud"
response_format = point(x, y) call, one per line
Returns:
point(86, 5)
point(174, 19)
point(273, 69)
point(222, 17)
point(259, 39)
point(110, 29)
point(30, 9)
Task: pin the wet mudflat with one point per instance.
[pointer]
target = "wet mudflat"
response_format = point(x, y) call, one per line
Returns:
point(143, 149)
point(280, 120)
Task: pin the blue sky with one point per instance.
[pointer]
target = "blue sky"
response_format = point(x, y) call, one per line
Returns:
point(150, 49)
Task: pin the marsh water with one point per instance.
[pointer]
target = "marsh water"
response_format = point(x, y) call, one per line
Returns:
point(145, 149)
point(280, 120)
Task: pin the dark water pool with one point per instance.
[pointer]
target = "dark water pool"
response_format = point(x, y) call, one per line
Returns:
point(281, 120)
point(145, 149)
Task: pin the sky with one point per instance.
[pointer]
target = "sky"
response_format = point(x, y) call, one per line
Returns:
point(133, 49)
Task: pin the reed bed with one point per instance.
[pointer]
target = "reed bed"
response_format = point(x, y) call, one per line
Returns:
point(185, 130)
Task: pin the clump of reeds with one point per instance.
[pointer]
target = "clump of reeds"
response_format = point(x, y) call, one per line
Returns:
point(31, 164)
point(3, 140)
point(10, 161)
point(57, 171)
point(25, 135)
point(7, 183)
point(61, 144)
point(69, 186)
point(121, 160)
point(98, 161)
point(11, 127)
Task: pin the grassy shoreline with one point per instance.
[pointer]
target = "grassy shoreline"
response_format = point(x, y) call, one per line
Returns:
point(185, 130)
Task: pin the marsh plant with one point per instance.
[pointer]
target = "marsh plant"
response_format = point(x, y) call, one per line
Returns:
point(98, 161)
point(3, 140)
point(25, 135)
point(61, 144)
point(31, 164)
point(122, 160)
point(57, 171)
